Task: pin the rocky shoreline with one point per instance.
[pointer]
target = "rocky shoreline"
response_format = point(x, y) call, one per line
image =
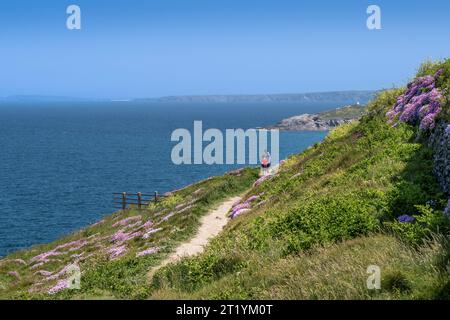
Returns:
point(308, 122)
point(320, 121)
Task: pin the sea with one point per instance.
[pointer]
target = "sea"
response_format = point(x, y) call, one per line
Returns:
point(61, 162)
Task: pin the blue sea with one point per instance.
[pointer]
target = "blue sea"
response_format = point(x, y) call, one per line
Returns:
point(61, 162)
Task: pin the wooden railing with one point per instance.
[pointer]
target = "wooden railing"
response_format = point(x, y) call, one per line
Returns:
point(123, 200)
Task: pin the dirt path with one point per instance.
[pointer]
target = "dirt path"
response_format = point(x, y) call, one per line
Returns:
point(210, 226)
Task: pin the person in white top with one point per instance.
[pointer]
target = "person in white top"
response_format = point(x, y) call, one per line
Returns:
point(265, 162)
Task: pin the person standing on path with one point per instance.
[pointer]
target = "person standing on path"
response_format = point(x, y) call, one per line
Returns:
point(265, 162)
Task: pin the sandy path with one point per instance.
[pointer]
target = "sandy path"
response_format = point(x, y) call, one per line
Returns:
point(210, 226)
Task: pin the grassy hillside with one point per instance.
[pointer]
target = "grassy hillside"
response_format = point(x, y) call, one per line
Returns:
point(115, 254)
point(364, 196)
point(347, 112)
point(330, 213)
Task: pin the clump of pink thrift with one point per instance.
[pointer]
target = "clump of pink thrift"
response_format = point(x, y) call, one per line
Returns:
point(14, 274)
point(244, 206)
point(43, 256)
point(59, 274)
point(37, 265)
point(148, 224)
point(126, 221)
point(150, 232)
point(167, 217)
point(114, 252)
point(74, 245)
point(44, 273)
point(262, 179)
point(20, 261)
point(121, 236)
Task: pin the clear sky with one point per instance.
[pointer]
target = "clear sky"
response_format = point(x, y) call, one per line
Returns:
point(132, 48)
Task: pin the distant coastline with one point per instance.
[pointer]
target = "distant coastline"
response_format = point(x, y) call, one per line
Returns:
point(338, 97)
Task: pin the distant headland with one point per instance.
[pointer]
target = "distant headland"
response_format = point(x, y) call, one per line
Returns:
point(337, 97)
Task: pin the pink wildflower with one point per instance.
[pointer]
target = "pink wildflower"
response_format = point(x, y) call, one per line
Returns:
point(44, 273)
point(14, 274)
point(121, 236)
point(74, 245)
point(61, 285)
point(59, 274)
point(167, 217)
point(45, 255)
point(20, 261)
point(150, 232)
point(147, 252)
point(37, 265)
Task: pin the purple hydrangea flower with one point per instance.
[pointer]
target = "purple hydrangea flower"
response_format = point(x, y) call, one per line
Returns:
point(447, 209)
point(447, 130)
point(420, 104)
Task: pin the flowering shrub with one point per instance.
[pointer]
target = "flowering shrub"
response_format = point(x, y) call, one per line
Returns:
point(420, 104)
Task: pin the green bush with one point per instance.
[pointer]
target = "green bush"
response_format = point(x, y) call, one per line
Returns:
point(428, 222)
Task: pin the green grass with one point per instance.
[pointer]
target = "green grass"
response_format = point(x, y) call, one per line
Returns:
point(125, 276)
point(334, 271)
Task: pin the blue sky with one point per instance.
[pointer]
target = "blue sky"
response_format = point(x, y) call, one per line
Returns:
point(133, 48)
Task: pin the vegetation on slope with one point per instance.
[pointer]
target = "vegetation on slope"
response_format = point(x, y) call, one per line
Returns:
point(310, 231)
point(355, 184)
point(350, 112)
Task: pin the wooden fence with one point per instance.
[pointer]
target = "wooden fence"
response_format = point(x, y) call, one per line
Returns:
point(123, 200)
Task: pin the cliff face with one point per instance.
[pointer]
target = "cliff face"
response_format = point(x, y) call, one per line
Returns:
point(440, 143)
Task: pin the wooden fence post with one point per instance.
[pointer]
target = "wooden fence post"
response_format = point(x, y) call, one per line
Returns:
point(139, 196)
point(156, 196)
point(124, 200)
